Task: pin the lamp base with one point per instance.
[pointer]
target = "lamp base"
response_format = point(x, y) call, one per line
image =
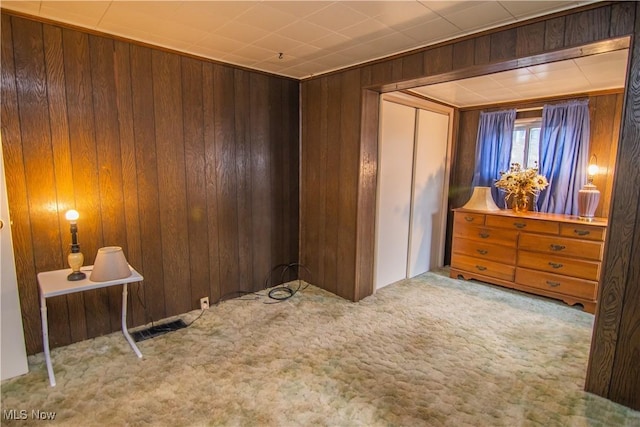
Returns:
point(76, 275)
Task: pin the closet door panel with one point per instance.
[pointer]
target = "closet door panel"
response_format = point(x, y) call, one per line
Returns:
point(397, 126)
point(428, 211)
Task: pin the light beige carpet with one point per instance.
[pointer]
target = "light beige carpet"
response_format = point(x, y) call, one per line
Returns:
point(430, 351)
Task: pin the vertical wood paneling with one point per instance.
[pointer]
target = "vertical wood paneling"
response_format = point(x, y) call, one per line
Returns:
point(554, 30)
point(588, 26)
point(261, 191)
point(148, 195)
point(227, 206)
point(175, 159)
point(622, 18)
point(503, 45)
point(243, 179)
point(108, 156)
point(438, 60)
point(612, 370)
point(412, 66)
point(463, 54)
point(167, 94)
point(40, 181)
point(482, 54)
point(530, 39)
point(57, 101)
point(15, 179)
point(348, 194)
point(77, 70)
point(196, 189)
point(122, 73)
point(332, 181)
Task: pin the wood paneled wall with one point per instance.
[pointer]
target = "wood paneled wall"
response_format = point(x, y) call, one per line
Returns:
point(191, 166)
point(528, 43)
point(605, 114)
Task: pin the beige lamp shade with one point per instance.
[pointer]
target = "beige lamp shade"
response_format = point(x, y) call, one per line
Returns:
point(110, 264)
point(481, 200)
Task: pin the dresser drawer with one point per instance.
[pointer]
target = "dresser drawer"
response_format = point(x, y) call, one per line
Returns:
point(561, 246)
point(585, 232)
point(485, 267)
point(469, 218)
point(583, 269)
point(483, 250)
point(522, 224)
point(496, 236)
point(578, 288)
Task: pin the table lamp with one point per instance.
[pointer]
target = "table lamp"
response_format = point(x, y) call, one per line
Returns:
point(75, 258)
point(589, 196)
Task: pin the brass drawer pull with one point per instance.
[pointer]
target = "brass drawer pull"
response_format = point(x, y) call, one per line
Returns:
point(553, 284)
point(483, 235)
point(468, 218)
point(482, 251)
point(481, 268)
point(555, 265)
point(581, 232)
point(519, 224)
point(557, 247)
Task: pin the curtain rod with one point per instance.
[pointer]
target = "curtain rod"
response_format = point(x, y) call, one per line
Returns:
point(519, 110)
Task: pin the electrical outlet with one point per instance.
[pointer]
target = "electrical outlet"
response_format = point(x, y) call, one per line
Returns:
point(204, 303)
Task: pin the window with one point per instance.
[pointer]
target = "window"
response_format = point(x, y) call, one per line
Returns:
point(525, 148)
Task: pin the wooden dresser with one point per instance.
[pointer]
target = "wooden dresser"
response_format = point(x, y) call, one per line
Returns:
point(558, 256)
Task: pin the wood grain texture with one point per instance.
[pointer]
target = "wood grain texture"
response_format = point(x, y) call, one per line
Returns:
point(554, 30)
point(530, 39)
point(412, 66)
point(157, 152)
point(438, 60)
point(588, 26)
point(15, 179)
point(463, 54)
point(503, 45)
point(612, 370)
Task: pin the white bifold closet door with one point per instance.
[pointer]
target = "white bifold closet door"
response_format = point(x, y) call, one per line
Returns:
point(410, 217)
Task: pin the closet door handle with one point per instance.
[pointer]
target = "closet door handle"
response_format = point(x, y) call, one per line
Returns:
point(555, 265)
point(553, 284)
point(557, 247)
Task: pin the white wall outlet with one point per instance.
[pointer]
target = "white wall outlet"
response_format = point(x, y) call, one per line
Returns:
point(204, 303)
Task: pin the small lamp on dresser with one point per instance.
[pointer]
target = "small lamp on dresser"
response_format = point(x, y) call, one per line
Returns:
point(589, 196)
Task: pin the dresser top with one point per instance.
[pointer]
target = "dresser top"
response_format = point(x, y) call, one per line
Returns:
point(602, 222)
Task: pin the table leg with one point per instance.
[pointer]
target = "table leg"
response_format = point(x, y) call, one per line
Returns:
point(124, 322)
point(45, 340)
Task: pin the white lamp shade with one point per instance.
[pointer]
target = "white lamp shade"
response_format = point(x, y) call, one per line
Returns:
point(110, 264)
point(481, 200)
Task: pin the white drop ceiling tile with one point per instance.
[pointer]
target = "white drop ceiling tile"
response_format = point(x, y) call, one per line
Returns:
point(256, 53)
point(299, 9)
point(331, 41)
point(31, 7)
point(224, 9)
point(86, 14)
point(367, 28)
point(444, 8)
point(479, 15)
point(336, 17)
point(277, 43)
point(480, 83)
point(534, 8)
point(123, 18)
point(264, 17)
point(515, 77)
point(155, 9)
point(176, 31)
point(201, 15)
point(333, 60)
point(241, 32)
point(303, 30)
point(552, 66)
point(394, 42)
point(372, 8)
point(433, 31)
point(206, 52)
point(304, 51)
point(409, 15)
point(618, 56)
point(220, 43)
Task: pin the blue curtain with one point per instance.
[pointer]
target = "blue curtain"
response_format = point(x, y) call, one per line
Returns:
point(564, 151)
point(493, 149)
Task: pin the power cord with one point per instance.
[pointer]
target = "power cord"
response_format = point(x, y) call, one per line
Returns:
point(285, 292)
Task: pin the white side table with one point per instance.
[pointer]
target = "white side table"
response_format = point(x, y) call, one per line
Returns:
point(55, 283)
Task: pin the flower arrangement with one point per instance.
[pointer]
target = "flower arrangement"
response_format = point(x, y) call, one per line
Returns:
point(519, 184)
